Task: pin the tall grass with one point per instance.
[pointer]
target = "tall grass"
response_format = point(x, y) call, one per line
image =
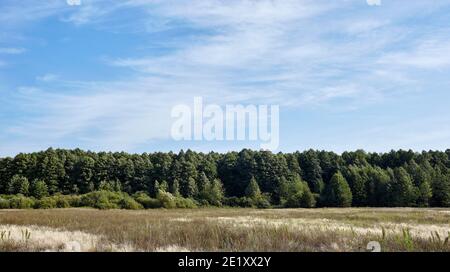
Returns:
point(245, 229)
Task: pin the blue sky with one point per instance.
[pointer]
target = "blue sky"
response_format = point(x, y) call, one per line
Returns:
point(105, 74)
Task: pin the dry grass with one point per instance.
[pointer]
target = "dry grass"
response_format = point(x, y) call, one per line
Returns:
point(399, 229)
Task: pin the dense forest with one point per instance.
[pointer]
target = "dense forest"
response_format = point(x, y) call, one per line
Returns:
point(247, 178)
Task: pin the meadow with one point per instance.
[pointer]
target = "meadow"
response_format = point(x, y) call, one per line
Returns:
point(225, 229)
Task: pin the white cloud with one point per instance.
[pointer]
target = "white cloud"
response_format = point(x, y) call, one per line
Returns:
point(373, 2)
point(11, 50)
point(428, 54)
point(47, 77)
point(365, 25)
point(17, 13)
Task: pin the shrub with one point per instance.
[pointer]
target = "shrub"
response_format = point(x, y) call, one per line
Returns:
point(110, 200)
point(184, 203)
point(4, 203)
point(101, 200)
point(129, 203)
point(74, 200)
point(203, 203)
point(166, 199)
point(153, 203)
point(146, 201)
point(262, 202)
point(21, 202)
point(244, 202)
point(62, 201)
point(45, 203)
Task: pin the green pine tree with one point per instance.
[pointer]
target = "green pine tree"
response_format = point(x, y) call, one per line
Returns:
point(338, 193)
point(252, 191)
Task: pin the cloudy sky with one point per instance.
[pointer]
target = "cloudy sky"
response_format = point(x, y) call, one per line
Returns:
point(105, 74)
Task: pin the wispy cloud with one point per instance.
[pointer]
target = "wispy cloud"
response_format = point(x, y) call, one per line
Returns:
point(11, 50)
point(297, 53)
point(428, 54)
point(47, 77)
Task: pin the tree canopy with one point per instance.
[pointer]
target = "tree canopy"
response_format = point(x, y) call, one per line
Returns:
point(246, 178)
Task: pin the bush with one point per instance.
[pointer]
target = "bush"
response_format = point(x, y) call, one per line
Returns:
point(21, 202)
point(74, 200)
point(62, 201)
point(101, 200)
point(146, 201)
point(4, 203)
point(166, 199)
point(129, 203)
point(185, 203)
point(203, 203)
point(243, 202)
point(153, 203)
point(262, 202)
point(110, 200)
point(46, 203)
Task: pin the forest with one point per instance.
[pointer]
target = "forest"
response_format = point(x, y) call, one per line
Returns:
point(58, 178)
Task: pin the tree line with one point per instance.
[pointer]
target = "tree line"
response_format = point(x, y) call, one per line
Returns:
point(247, 178)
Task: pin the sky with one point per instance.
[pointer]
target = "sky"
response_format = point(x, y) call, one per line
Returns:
point(103, 75)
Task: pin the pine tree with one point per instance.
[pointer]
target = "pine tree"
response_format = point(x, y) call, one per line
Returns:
point(441, 189)
point(377, 187)
point(191, 189)
point(422, 180)
point(202, 182)
point(307, 199)
point(424, 194)
point(175, 190)
point(338, 193)
point(217, 190)
point(284, 189)
point(214, 192)
point(402, 191)
point(155, 190)
point(310, 164)
point(357, 179)
point(252, 191)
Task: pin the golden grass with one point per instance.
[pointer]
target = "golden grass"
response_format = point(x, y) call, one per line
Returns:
point(214, 229)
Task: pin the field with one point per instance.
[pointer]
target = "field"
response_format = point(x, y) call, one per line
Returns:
point(398, 229)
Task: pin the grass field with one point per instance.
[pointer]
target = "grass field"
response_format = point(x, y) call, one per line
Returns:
point(399, 229)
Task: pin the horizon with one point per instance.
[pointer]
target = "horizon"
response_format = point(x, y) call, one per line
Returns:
point(176, 152)
point(105, 75)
